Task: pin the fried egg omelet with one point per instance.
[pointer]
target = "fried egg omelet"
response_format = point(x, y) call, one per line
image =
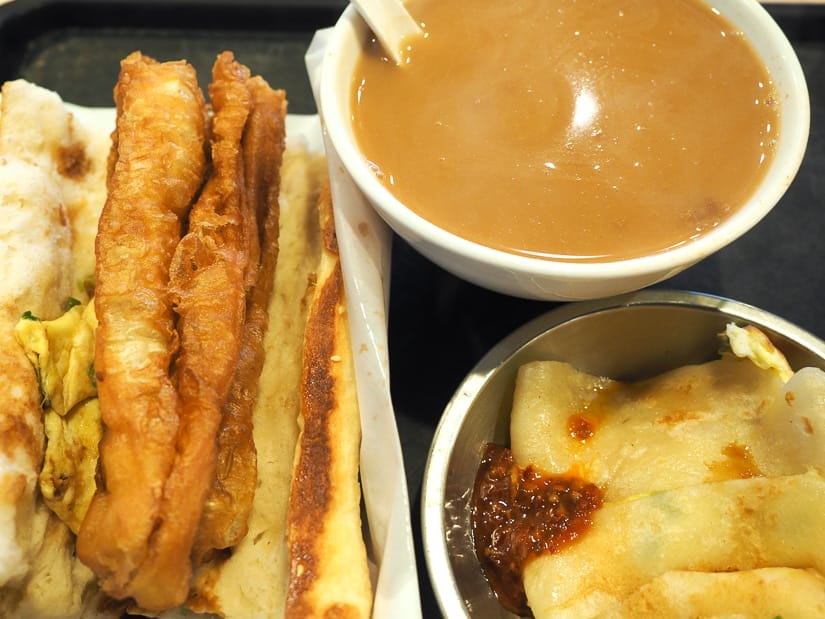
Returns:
point(62, 353)
point(748, 342)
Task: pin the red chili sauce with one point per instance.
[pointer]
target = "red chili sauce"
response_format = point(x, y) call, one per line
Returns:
point(519, 513)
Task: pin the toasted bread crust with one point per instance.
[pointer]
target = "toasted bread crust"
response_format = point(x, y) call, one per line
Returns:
point(328, 565)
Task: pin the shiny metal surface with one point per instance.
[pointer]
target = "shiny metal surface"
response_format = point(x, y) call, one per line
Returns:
point(627, 337)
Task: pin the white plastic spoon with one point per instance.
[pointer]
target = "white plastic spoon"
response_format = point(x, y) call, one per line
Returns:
point(392, 24)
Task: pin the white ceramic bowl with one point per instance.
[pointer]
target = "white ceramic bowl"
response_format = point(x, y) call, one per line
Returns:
point(546, 279)
point(629, 337)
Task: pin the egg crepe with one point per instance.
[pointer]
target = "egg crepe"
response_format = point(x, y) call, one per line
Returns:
point(799, 592)
point(691, 425)
point(51, 167)
point(729, 527)
point(711, 474)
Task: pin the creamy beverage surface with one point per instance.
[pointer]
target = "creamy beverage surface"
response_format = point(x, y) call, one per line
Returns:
point(572, 130)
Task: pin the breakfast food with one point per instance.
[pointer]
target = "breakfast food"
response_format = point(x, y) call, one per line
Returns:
point(154, 175)
point(569, 131)
point(20, 417)
point(229, 502)
point(217, 288)
point(36, 201)
point(319, 562)
point(708, 476)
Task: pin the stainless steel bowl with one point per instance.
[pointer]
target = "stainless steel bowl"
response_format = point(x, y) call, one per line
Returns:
point(628, 337)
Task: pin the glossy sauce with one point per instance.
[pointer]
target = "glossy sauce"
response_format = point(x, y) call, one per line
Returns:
point(580, 427)
point(737, 463)
point(518, 514)
point(578, 130)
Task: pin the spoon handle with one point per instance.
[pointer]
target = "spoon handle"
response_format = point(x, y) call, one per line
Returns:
point(390, 22)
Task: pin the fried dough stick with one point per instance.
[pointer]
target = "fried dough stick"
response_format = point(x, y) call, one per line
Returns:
point(229, 503)
point(208, 276)
point(154, 175)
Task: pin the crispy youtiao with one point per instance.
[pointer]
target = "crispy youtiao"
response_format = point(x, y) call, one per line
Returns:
point(229, 502)
point(207, 284)
point(327, 557)
point(223, 585)
point(156, 172)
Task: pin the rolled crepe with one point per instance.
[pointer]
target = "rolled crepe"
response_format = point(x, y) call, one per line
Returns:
point(720, 420)
point(711, 474)
point(713, 527)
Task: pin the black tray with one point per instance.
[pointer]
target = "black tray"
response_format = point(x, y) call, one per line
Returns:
point(439, 325)
point(72, 47)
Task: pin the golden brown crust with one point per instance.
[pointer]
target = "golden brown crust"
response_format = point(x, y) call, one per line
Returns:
point(208, 288)
point(311, 496)
point(180, 364)
point(229, 502)
point(158, 169)
point(327, 557)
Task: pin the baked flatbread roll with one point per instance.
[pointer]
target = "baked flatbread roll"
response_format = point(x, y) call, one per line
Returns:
point(299, 550)
point(328, 574)
point(223, 585)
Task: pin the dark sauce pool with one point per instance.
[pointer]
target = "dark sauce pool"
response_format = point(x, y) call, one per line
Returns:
point(519, 513)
